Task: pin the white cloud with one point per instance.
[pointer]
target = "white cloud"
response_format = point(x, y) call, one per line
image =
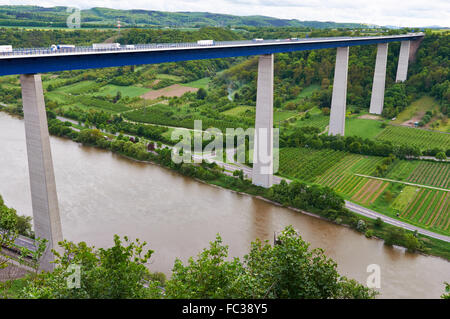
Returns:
point(381, 12)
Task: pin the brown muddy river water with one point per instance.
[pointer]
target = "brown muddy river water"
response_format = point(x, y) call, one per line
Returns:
point(102, 194)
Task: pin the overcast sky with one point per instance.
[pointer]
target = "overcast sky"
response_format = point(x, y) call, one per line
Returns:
point(413, 13)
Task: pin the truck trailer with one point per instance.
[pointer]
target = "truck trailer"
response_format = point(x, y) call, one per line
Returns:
point(5, 48)
point(103, 46)
point(205, 42)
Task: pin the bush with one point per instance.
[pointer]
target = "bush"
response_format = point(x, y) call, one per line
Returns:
point(369, 233)
point(379, 222)
point(441, 156)
point(361, 226)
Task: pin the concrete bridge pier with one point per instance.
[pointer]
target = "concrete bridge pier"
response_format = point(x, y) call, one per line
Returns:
point(263, 138)
point(403, 60)
point(379, 80)
point(46, 219)
point(339, 97)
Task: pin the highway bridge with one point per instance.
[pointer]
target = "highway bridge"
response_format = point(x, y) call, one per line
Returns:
point(42, 60)
point(32, 61)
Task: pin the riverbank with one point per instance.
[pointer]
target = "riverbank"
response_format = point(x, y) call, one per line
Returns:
point(430, 246)
point(102, 193)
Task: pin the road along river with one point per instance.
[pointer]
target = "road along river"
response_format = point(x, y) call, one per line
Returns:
point(102, 194)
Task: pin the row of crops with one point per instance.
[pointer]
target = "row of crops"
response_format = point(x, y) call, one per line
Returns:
point(419, 205)
point(367, 192)
point(411, 136)
point(306, 164)
point(429, 173)
point(430, 208)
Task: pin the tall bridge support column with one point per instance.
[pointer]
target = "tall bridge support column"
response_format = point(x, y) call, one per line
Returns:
point(379, 80)
point(263, 139)
point(46, 219)
point(339, 97)
point(403, 60)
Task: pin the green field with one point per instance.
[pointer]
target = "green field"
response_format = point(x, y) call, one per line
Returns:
point(308, 91)
point(240, 111)
point(279, 116)
point(318, 120)
point(305, 93)
point(168, 77)
point(131, 91)
point(416, 108)
point(78, 88)
point(201, 83)
point(362, 127)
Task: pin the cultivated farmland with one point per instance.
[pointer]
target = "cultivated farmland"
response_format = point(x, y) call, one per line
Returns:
point(431, 173)
point(306, 164)
point(411, 136)
point(430, 208)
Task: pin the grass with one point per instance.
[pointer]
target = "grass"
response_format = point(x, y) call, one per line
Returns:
point(308, 91)
point(175, 78)
point(318, 120)
point(362, 127)
point(201, 83)
point(131, 91)
point(405, 197)
point(82, 87)
point(59, 97)
point(305, 93)
point(239, 111)
point(418, 107)
point(279, 116)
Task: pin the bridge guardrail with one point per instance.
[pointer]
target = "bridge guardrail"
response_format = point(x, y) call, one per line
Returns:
point(88, 49)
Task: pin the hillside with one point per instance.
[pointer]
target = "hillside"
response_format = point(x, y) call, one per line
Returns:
point(35, 16)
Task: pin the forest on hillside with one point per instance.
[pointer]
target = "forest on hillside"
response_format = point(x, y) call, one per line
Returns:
point(35, 16)
point(294, 72)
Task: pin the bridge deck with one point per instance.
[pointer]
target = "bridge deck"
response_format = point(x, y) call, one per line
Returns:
point(42, 60)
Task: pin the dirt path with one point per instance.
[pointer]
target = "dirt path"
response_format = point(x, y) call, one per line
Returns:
point(170, 91)
point(369, 117)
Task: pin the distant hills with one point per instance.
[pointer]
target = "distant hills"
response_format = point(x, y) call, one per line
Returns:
point(35, 16)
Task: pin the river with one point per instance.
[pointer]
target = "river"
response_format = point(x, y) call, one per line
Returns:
point(102, 194)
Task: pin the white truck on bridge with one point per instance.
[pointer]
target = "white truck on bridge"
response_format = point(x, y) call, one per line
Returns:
point(66, 47)
point(5, 48)
point(205, 42)
point(106, 46)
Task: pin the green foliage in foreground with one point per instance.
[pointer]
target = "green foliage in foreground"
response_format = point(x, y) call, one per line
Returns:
point(10, 221)
point(287, 270)
point(117, 272)
point(447, 290)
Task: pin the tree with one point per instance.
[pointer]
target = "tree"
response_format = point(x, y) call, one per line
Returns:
point(441, 156)
point(239, 173)
point(446, 295)
point(117, 97)
point(201, 94)
point(287, 270)
point(116, 272)
point(11, 225)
